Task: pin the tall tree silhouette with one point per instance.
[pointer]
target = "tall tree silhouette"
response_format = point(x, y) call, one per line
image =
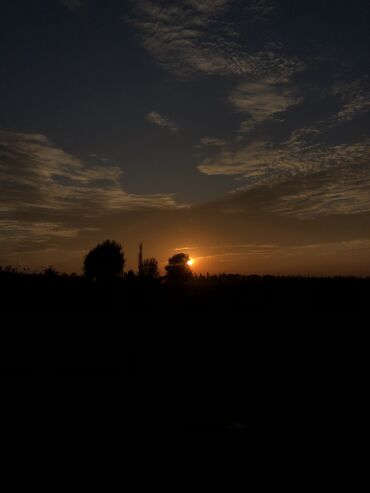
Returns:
point(104, 262)
point(140, 260)
point(178, 269)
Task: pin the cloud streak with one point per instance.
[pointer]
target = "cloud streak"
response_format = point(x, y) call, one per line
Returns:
point(212, 141)
point(160, 121)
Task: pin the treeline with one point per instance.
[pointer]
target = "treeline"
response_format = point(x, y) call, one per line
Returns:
point(104, 286)
point(53, 291)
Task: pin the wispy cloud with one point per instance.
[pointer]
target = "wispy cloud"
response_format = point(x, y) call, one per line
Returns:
point(327, 179)
point(35, 174)
point(213, 141)
point(45, 190)
point(72, 4)
point(195, 37)
point(263, 159)
point(174, 34)
point(264, 83)
point(261, 8)
point(348, 246)
point(161, 121)
point(354, 98)
point(191, 38)
point(199, 38)
point(261, 100)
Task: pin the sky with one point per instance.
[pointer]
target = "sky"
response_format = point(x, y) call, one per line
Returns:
point(237, 131)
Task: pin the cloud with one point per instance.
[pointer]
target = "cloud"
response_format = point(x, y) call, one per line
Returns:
point(195, 37)
point(261, 100)
point(227, 253)
point(261, 8)
point(39, 220)
point(332, 180)
point(174, 33)
point(264, 160)
point(191, 38)
point(325, 179)
point(249, 160)
point(326, 175)
point(354, 98)
point(47, 192)
point(161, 121)
point(212, 141)
point(72, 5)
point(209, 6)
point(23, 230)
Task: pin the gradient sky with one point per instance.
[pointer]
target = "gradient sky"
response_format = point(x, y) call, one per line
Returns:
point(235, 131)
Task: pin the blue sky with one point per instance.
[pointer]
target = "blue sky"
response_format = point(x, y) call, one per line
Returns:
point(209, 125)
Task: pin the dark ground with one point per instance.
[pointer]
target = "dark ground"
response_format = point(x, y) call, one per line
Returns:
point(301, 392)
point(142, 362)
point(94, 402)
point(50, 292)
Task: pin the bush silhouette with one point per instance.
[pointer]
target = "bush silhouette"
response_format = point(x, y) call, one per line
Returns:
point(50, 272)
point(105, 262)
point(178, 269)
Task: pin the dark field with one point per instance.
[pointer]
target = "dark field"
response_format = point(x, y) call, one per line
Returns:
point(224, 293)
point(148, 361)
point(123, 401)
point(280, 390)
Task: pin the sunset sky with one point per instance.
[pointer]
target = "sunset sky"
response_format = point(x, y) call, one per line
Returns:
point(237, 131)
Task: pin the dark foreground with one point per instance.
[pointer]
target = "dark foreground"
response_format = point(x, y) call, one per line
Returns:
point(94, 402)
point(52, 292)
point(276, 390)
point(135, 365)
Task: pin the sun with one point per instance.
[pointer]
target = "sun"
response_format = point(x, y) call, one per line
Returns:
point(190, 261)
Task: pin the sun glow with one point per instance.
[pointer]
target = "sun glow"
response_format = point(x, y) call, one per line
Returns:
point(190, 261)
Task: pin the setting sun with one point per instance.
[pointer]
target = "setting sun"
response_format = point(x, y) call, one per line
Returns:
point(190, 261)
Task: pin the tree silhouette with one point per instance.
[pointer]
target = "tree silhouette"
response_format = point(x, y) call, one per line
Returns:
point(178, 269)
point(150, 268)
point(140, 260)
point(105, 262)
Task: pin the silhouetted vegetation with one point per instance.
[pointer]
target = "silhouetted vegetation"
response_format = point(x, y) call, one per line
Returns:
point(52, 291)
point(178, 270)
point(104, 287)
point(104, 262)
point(150, 269)
point(180, 389)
